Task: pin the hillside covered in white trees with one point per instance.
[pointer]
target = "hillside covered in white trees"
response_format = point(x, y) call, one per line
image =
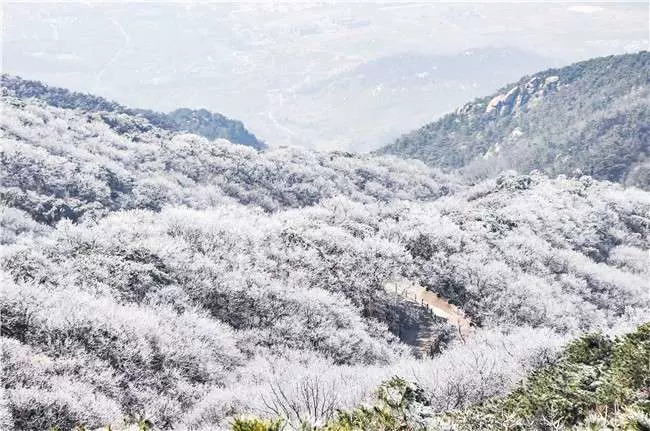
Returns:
point(156, 275)
point(198, 121)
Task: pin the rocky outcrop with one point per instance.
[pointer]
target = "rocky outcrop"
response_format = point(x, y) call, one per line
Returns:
point(514, 100)
point(518, 97)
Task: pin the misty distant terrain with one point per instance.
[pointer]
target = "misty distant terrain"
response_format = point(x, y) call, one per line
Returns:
point(378, 100)
point(290, 72)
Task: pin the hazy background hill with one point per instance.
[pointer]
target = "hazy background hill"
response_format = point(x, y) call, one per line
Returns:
point(591, 118)
point(378, 100)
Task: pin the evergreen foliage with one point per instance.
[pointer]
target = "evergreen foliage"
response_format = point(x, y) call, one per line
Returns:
point(596, 383)
point(596, 379)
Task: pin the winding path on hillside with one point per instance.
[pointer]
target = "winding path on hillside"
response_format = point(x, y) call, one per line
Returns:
point(438, 305)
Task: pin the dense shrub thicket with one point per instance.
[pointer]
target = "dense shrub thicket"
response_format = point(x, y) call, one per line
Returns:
point(597, 383)
point(164, 277)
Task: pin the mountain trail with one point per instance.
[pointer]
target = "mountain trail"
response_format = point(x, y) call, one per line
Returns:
point(438, 306)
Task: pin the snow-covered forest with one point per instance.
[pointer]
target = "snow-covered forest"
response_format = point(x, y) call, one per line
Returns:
point(152, 274)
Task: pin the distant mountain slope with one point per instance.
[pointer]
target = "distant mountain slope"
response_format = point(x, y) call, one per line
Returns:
point(591, 116)
point(200, 121)
point(362, 108)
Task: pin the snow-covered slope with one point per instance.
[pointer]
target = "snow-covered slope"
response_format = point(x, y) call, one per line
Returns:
point(149, 274)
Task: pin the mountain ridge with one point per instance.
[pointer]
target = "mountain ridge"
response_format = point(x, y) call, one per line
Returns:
point(560, 121)
point(198, 121)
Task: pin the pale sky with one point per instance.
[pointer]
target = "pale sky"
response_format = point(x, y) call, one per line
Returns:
point(244, 59)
